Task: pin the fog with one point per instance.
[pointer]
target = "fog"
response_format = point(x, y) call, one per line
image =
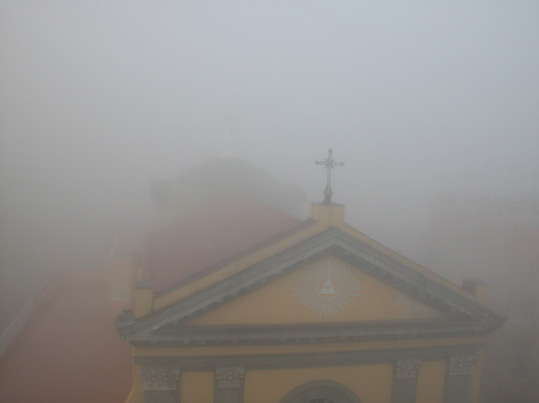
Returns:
point(98, 99)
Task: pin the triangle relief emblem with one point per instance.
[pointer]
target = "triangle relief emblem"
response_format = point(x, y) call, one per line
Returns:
point(327, 288)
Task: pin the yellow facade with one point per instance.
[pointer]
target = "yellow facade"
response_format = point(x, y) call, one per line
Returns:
point(277, 304)
point(430, 382)
point(371, 383)
point(197, 387)
point(383, 368)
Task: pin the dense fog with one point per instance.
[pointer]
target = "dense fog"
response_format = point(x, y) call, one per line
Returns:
point(99, 98)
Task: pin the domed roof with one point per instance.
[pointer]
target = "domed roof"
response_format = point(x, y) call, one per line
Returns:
point(219, 177)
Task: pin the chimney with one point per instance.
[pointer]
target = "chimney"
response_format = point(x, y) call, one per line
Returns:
point(143, 298)
point(120, 282)
point(478, 288)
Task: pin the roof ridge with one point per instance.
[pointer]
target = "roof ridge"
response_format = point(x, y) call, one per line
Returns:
point(222, 263)
point(28, 311)
point(409, 262)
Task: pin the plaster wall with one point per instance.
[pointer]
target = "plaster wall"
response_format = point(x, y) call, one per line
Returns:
point(296, 299)
point(430, 382)
point(371, 383)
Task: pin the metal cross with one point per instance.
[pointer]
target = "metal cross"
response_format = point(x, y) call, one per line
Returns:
point(329, 163)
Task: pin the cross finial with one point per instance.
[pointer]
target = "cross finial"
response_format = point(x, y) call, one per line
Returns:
point(329, 163)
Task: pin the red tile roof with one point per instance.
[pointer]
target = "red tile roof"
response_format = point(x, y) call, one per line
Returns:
point(222, 230)
point(69, 350)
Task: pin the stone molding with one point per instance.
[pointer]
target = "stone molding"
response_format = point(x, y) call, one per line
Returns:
point(160, 378)
point(462, 364)
point(308, 360)
point(407, 369)
point(229, 377)
point(245, 335)
point(335, 242)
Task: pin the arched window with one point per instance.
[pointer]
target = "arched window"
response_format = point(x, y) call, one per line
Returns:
point(321, 391)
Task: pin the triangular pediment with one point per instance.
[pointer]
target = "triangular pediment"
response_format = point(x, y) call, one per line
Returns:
point(381, 297)
point(326, 290)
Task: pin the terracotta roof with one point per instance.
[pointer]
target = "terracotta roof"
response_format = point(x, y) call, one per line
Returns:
point(223, 229)
point(69, 350)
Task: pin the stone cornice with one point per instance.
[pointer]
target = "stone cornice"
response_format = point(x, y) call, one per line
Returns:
point(303, 360)
point(324, 333)
point(333, 241)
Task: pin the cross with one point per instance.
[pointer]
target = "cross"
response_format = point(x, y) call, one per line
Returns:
point(329, 163)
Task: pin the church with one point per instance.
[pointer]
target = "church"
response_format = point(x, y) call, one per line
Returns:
point(240, 302)
point(232, 298)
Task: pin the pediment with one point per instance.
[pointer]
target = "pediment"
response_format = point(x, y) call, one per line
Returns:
point(326, 290)
point(411, 302)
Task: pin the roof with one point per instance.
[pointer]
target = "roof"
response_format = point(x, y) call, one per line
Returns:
point(462, 315)
point(223, 229)
point(68, 350)
point(199, 186)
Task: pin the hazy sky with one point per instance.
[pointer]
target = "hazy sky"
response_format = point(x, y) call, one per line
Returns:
point(97, 98)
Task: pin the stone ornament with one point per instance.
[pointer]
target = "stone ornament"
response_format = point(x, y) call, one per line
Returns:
point(160, 378)
point(327, 288)
point(229, 377)
point(407, 369)
point(462, 364)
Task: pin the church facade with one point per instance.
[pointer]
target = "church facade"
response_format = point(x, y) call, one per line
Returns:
point(244, 304)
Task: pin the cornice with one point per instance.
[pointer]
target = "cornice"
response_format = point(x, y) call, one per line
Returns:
point(307, 334)
point(465, 315)
point(303, 360)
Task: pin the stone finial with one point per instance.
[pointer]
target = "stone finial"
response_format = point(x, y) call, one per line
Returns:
point(143, 298)
point(160, 378)
point(229, 377)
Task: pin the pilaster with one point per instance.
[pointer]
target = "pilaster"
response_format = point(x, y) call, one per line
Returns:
point(404, 385)
point(161, 385)
point(229, 384)
point(459, 378)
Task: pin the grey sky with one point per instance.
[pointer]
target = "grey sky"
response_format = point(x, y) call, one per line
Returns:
point(100, 97)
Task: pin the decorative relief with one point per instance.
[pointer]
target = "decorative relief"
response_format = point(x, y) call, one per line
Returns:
point(229, 377)
point(160, 378)
point(407, 369)
point(327, 288)
point(462, 364)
